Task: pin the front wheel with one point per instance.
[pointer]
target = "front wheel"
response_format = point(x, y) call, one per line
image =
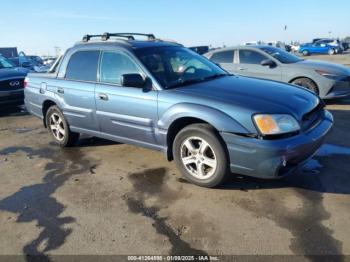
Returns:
point(58, 127)
point(331, 51)
point(200, 155)
point(307, 83)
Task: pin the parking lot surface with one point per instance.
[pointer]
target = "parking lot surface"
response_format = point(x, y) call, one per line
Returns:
point(101, 197)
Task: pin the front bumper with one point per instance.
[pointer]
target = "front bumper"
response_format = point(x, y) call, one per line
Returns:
point(275, 158)
point(338, 89)
point(11, 98)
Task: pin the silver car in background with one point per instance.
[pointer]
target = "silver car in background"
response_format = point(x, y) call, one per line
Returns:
point(328, 80)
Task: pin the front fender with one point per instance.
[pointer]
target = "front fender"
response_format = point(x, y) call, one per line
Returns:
point(218, 119)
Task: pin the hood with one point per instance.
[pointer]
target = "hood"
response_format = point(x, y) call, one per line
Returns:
point(241, 97)
point(324, 66)
point(10, 73)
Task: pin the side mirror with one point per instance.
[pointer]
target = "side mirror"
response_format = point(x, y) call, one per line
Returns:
point(268, 62)
point(26, 64)
point(133, 80)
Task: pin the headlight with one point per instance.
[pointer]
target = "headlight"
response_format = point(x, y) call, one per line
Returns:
point(331, 75)
point(275, 124)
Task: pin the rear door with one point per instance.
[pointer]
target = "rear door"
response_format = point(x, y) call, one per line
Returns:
point(225, 59)
point(249, 64)
point(76, 89)
point(319, 48)
point(124, 112)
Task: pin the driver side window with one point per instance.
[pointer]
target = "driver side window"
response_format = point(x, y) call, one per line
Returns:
point(114, 65)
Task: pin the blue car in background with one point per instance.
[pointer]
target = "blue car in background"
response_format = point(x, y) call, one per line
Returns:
point(317, 48)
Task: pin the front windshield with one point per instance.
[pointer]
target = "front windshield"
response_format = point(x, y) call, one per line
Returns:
point(178, 66)
point(5, 63)
point(282, 56)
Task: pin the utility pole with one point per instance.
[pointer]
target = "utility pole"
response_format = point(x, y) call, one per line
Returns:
point(57, 50)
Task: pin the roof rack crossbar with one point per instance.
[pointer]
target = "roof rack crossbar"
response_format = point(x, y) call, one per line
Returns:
point(87, 38)
point(129, 36)
point(149, 36)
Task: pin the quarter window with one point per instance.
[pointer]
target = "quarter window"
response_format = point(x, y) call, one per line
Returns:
point(223, 57)
point(250, 57)
point(114, 65)
point(83, 66)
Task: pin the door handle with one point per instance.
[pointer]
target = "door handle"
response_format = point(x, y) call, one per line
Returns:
point(60, 90)
point(103, 97)
point(242, 68)
point(42, 88)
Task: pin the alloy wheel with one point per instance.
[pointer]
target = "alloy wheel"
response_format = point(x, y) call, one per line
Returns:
point(198, 157)
point(57, 127)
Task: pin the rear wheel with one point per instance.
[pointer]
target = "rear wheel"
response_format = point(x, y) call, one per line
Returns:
point(200, 155)
point(307, 83)
point(59, 129)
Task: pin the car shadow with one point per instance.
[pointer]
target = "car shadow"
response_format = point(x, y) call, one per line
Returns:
point(14, 111)
point(86, 141)
point(94, 142)
point(338, 101)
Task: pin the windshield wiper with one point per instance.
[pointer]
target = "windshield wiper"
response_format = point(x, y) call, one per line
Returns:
point(193, 81)
point(215, 76)
point(185, 82)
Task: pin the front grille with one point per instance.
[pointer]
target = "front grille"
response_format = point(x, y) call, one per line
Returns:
point(313, 118)
point(12, 84)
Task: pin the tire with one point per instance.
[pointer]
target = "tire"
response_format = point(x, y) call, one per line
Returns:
point(305, 53)
point(331, 51)
point(59, 128)
point(307, 83)
point(206, 166)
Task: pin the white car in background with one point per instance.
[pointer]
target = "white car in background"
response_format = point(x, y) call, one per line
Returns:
point(295, 48)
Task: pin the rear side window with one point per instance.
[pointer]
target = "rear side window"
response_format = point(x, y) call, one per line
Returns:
point(223, 57)
point(114, 65)
point(250, 57)
point(83, 66)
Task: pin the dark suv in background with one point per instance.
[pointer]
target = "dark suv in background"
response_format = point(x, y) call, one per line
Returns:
point(11, 83)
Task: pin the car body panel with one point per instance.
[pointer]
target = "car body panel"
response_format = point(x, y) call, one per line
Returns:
point(121, 113)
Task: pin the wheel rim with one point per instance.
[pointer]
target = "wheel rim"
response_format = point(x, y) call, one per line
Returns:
point(57, 127)
point(305, 85)
point(198, 157)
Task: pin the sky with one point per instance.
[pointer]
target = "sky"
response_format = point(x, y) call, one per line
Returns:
point(38, 26)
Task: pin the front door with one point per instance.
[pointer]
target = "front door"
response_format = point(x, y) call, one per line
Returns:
point(124, 112)
point(250, 65)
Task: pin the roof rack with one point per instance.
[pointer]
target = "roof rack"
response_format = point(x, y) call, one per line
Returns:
point(128, 36)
